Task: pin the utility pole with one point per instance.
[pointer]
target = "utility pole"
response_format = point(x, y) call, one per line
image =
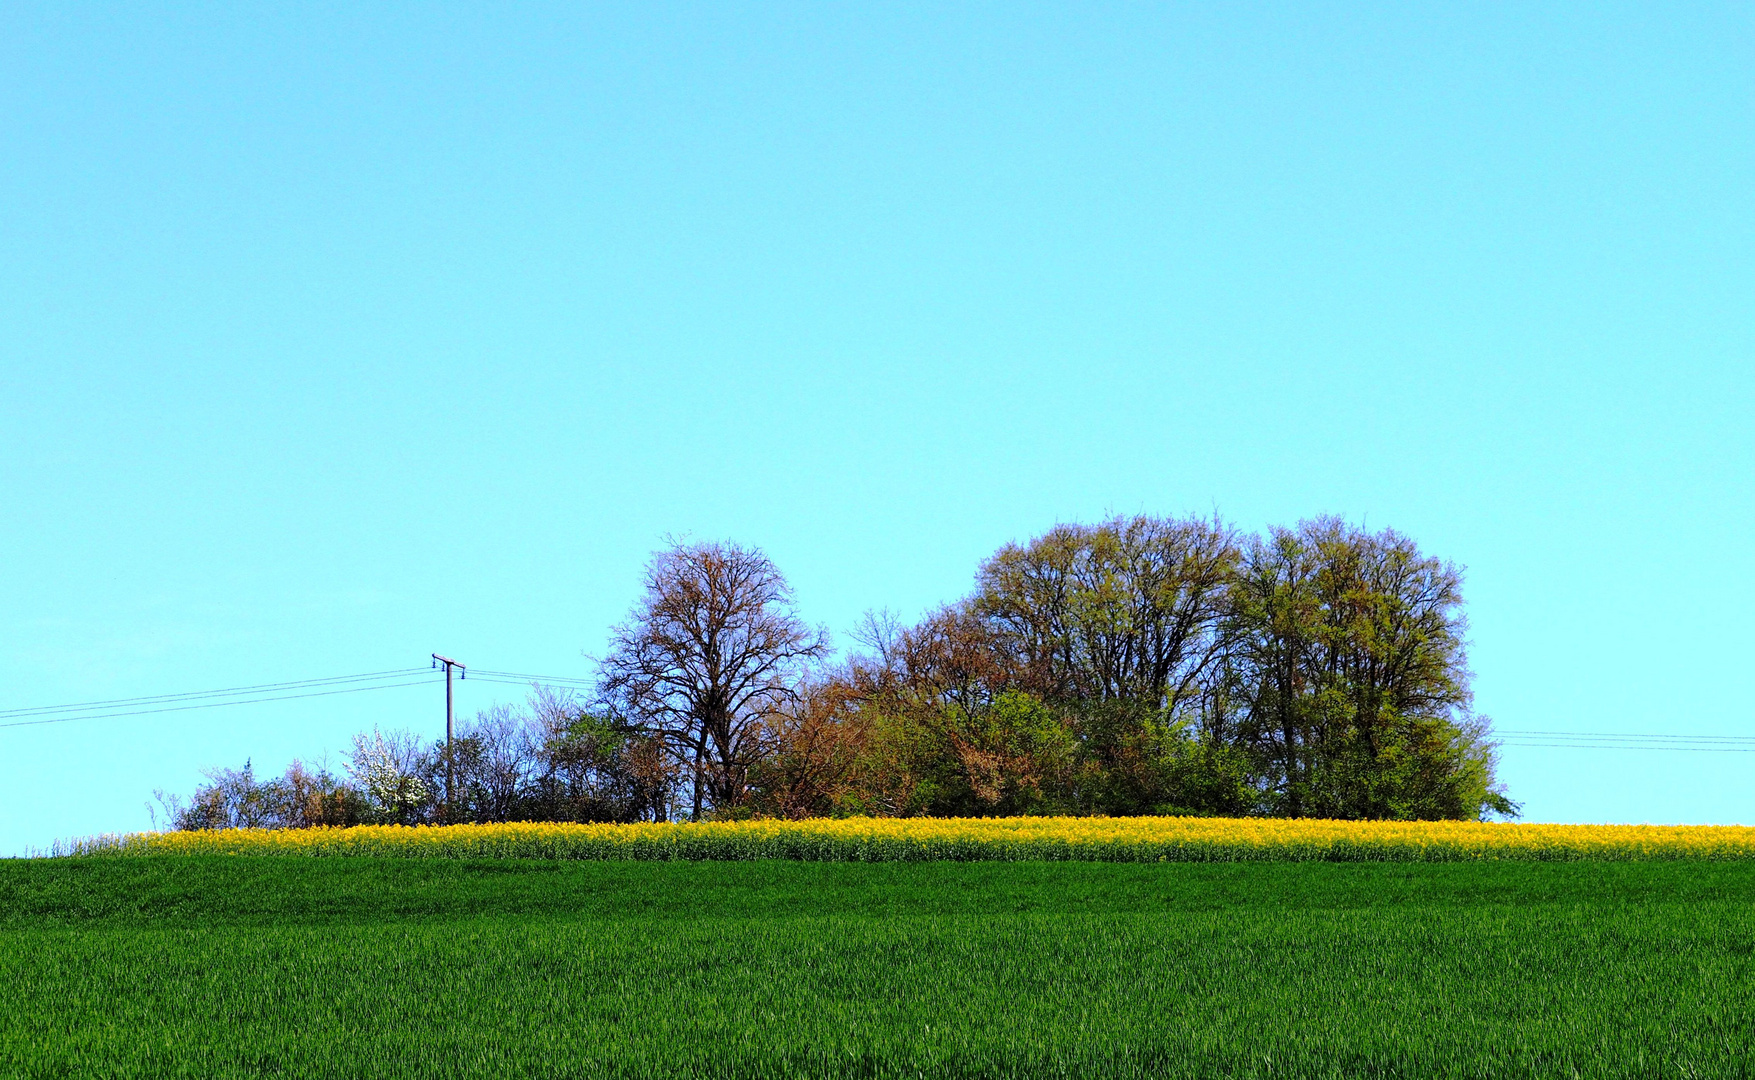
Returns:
point(450, 766)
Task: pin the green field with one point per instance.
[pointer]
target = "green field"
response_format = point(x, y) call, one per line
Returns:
point(217, 966)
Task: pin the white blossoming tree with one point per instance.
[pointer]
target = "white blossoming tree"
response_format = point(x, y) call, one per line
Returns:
point(386, 770)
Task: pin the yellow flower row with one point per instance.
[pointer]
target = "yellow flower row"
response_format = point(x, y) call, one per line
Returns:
point(888, 839)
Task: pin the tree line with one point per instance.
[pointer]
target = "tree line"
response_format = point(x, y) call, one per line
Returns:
point(1141, 665)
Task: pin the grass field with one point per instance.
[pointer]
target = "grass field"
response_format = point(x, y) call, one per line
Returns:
point(227, 966)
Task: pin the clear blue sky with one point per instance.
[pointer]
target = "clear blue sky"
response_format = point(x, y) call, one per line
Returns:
point(331, 337)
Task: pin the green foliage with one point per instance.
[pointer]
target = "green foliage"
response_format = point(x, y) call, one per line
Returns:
point(589, 768)
point(1009, 755)
point(1134, 759)
point(1348, 678)
point(249, 967)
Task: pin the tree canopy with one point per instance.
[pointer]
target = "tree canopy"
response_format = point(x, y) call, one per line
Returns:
point(1139, 665)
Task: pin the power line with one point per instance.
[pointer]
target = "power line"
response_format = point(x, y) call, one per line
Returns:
point(425, 681)
point(1578, 744)
point(1626, 746)
point(1627, 736)
point(519, 676)
point(292, 690)
point(201, 699)
point(526, 683)
point(1609, 740)
point(157, 699)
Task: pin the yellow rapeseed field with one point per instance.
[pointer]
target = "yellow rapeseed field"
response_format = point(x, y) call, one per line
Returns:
point(1138, 839)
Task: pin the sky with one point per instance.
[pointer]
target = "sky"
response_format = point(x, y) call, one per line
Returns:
point(333, 336)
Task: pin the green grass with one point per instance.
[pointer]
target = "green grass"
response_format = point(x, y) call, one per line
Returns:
point(166, 966)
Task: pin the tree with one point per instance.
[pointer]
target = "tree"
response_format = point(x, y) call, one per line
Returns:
point(1348, 673)
point(1119, 626)
point(1140, 665)
point(712, 650)
point(590, 768)
point(235, 799)
point(386, 768)
point(553, 760)
point(548, 761)
point(816, 740)
point(947, 728)
point(493, 760)
point(1127, 610)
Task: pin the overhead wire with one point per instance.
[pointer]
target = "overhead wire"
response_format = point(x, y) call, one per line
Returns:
point(1629, 746)
point(1585, 745)
point(531, 682)
point(1623, 735)
point(425, 681)
point(519, 676)
point(291, 690)
point(1607, 740)
point(154, 699)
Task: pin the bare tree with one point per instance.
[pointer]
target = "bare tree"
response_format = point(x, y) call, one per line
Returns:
point(713, 649)
point(501, 751)
point(236, 799)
